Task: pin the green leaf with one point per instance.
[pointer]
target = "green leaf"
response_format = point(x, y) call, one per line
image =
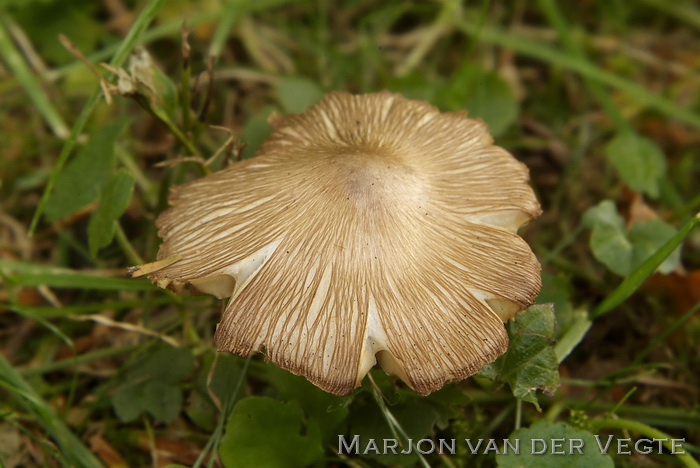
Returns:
point(44, 21)
point(200, 406)
point(560, 450)
point(128, 402)
point(328, 411)
point(572, 324)
point(167, 364)
point(621, 251)
point(296, 94)
point(492, 100)
point(85, 176)
point(113, 203)
point(228, 369)
point(647, 237)
point(639, 162)
point(416, 85)
point(609, 242)
point(162, 400)
point(557, 290)
point(256, 131)
point(151, 385)
point(484, 95)
point(530, 363)
point(416, 415)
point(639, 275)
point(266, 433)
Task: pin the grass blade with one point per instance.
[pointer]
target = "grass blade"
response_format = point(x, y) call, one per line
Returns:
point(684, 11)
point(231, 13)
point(72, 448)
point(14, 60)
point(540, 51)
point(31, 274)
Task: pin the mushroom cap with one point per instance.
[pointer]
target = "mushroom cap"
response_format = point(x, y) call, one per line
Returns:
point(370, 227)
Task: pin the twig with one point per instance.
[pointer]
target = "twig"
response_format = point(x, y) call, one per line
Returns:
point(73, 49)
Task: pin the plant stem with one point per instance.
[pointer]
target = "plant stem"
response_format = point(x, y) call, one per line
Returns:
point(126, 246)
point(391, 420)
point(630, 425)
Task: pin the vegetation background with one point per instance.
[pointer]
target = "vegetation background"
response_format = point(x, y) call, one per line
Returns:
point(599, 98)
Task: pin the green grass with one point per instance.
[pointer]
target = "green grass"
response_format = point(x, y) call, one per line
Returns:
point(98, 369)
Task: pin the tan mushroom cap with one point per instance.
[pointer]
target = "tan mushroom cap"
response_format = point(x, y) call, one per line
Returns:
point(370, 226)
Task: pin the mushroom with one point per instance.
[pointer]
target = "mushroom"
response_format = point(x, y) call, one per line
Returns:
point(368, 228)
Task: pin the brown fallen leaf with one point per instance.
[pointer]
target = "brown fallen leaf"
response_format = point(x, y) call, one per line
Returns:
point(107, 453)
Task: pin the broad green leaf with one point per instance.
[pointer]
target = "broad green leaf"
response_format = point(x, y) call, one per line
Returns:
point(484, 95)
point(647, 237)
point(228, 369)
point(129, 402)
point(639, 275)
point(328, 411)
point(416, 415)
point(200, 406)
point(77, 19)
point(530, 362)
point(492, 100)
point(113, 203)
point(296, 94)
point(416, 86)
point(622, 251)
point(256, 131)
point(84, 177)
point(639, 162)
point(572, 324)
point(553, 445)
point(167, 364)
point(609, 242)
point(152, 385)
point(557, 290)
point(162, 400)
point(267, 433)
point(201, 411)
point(449, 402)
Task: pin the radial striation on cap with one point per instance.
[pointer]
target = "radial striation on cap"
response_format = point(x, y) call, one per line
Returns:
point(369, 228)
